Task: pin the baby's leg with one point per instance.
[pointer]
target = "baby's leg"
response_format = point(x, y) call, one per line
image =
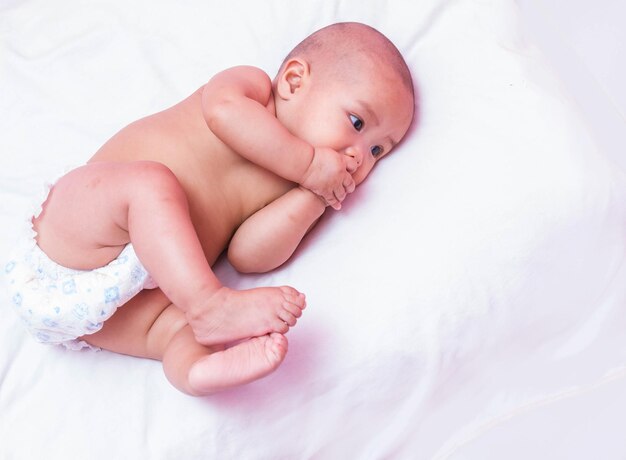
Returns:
point(95, 210)
point(148, 326)
point(198, 370)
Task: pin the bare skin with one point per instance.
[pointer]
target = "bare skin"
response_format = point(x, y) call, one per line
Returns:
point(78, 238)
point(220, 170)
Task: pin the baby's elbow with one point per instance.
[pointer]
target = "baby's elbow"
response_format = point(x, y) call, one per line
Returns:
point(216, 113)
point(242, 266)
point(217, 106)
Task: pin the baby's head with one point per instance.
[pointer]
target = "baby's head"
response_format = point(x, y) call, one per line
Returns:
point(346, 87)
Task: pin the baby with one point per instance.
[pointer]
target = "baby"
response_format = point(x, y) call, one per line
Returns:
point(245, 163)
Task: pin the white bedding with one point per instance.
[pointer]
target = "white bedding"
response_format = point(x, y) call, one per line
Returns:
point(468, 302)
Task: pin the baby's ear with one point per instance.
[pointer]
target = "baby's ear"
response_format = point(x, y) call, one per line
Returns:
point(292, 77)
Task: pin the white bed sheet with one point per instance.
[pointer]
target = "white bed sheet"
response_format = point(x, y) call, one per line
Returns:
point(468, 302)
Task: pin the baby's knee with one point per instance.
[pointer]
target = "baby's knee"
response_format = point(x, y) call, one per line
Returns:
point(153, 178)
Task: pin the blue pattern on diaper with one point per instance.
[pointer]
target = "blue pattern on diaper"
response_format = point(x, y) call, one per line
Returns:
point(137, 273)
point(58, 304)
point(80, 310)
point(17, 299)
point(69, 287)
point(42, 336)
point(112, 294)
point(121, 260)
point(49, 323)
point(94, 327)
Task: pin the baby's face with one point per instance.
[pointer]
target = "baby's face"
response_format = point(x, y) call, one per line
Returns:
point(363, 117)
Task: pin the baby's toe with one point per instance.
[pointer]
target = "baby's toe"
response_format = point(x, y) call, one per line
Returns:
point(280, 326)
point(296, 298)
point(291, 292)
point(279, 340)
point(288, 318)
point(300, 301)
point(293, 309)
point(277, 345)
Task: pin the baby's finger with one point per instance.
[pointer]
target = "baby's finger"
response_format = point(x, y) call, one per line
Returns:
point(331, 199)
point(349, 184)
point(351, 164)
point(333, 203)
point(340, 194)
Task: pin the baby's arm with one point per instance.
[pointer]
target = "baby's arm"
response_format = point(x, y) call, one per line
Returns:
point(234, 106)
point(270, 236)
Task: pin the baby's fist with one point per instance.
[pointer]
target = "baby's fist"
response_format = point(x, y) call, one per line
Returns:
point(328, 176)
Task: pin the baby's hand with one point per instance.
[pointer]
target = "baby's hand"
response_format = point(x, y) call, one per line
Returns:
point(329, 176)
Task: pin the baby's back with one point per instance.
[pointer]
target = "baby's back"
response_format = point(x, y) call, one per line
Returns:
point(223, 188)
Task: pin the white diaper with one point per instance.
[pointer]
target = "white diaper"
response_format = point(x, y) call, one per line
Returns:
point(58, 304)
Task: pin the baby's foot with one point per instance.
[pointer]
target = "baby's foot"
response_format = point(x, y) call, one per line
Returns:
point(240, 364)
point(230, 315)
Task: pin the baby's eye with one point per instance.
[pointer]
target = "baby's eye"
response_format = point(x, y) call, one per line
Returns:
point(356, 122)
point(376, 150)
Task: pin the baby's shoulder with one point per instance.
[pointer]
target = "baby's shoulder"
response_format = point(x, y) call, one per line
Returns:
point(251, 81)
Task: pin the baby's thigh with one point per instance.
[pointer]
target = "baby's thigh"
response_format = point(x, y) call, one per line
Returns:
point(79, 225)
point(142, 327)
